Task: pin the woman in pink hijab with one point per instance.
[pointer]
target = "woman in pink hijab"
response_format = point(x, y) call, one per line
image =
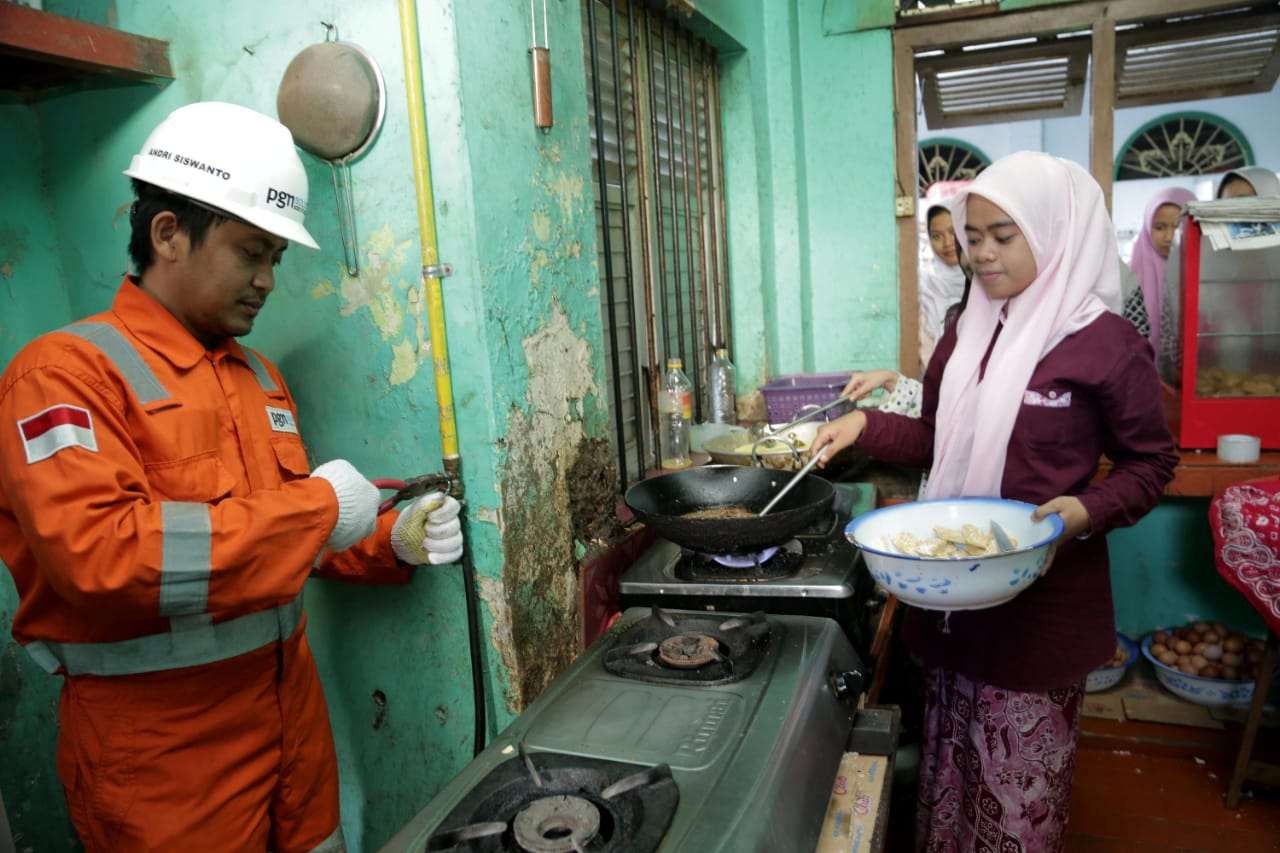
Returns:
point(1035, 381)
point(1151, 251)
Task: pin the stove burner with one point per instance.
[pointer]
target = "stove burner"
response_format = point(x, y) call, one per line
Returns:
point(689, 651)
point(563, 803)
point(780, 561)
point(558, 824)
point(691, 648)
point(746, 561)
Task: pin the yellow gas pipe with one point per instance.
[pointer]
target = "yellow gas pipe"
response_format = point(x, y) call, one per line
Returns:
point(431, 268)
point(431, 274)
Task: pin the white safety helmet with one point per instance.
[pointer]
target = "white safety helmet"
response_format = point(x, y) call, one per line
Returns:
point(231, 158)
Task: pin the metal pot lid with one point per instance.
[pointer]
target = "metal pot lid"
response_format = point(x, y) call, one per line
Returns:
point(333, 100)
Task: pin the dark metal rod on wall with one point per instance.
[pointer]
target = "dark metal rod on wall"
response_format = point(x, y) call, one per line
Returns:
point(696, 367)
point(657, 196)
point(637, 388)
point(618, 419)
point(646, 244)
point(708, 310)
point(707, 221)
point(726, 301)
point(671, 184)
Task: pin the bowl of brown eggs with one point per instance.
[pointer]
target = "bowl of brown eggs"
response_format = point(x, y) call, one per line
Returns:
point(1205, 662)
point(1107, 676)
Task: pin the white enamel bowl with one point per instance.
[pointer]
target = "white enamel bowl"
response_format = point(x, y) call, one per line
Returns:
point(1106, 677)
point(1210, 692)
point(970, 583)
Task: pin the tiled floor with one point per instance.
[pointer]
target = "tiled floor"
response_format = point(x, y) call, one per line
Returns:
point(1143, 788)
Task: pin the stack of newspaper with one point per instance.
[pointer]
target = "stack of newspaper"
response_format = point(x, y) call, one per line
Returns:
point(1239, 223)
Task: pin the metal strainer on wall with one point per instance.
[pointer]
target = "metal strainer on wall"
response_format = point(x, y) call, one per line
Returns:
point(333, 99)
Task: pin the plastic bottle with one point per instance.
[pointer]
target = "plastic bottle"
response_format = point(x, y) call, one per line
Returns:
point(675, 416)
point(720, 387)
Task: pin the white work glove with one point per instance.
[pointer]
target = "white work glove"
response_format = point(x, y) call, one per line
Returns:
point(358, 501)
point(428, 531)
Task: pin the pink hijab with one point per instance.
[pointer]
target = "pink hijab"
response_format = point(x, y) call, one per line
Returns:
point(1061, 212)
point(1147, 264)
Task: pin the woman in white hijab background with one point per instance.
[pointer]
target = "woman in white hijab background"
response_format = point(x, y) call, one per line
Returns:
point(941, 276)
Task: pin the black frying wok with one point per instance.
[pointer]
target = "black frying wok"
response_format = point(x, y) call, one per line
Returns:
point(663, 501)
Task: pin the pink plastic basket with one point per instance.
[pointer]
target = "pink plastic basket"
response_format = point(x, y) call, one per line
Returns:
point(786, 396)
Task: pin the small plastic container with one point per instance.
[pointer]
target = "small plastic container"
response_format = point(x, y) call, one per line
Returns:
point(1239, 449)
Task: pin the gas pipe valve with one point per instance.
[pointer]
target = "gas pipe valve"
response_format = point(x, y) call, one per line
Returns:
point(848, 684)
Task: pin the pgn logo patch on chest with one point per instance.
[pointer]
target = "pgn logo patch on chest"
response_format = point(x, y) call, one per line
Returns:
point(281, 420)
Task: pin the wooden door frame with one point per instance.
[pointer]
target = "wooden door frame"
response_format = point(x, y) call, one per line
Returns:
point(1098, 16)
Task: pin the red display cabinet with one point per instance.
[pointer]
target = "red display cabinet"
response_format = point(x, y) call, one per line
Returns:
point(1230, 343)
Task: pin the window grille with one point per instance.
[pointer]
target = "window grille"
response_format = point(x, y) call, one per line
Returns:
point(654, 107)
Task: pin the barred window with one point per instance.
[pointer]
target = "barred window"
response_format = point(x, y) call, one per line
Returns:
point(1183, 144)
point(655, 132)
point(948, 160)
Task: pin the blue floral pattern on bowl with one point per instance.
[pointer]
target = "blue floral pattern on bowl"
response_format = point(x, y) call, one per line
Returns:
point(1106, 677)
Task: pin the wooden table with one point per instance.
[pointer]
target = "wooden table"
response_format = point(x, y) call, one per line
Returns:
point(1201, 474)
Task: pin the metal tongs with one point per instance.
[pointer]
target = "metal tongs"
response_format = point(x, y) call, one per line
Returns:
point(776, 434)
point(799, 475)
point(406, 490)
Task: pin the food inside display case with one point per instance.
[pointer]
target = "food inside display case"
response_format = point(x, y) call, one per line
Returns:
point(1220, 382)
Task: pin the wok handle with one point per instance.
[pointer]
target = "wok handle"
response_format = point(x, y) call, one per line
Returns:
point(800, 475)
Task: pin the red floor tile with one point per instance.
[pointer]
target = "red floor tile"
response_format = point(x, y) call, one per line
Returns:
point(1125, 800)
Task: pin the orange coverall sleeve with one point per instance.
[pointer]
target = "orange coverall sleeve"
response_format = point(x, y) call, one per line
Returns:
point(369, 561)
point(96, 527)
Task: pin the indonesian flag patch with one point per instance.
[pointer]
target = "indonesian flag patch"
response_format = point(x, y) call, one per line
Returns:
point(57, 428)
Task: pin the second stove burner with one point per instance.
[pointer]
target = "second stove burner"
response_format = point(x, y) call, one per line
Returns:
point(689, 651)
point(557, 824)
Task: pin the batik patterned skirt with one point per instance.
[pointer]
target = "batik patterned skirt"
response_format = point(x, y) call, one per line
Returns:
point(995, 767)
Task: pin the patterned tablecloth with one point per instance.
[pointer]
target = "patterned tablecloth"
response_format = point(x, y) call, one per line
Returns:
point(1246, 535)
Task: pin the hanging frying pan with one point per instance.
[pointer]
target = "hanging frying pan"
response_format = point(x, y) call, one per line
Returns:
point(333, 100)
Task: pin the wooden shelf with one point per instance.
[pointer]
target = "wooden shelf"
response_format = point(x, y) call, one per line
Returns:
point(1201, 474)
point(40, 50)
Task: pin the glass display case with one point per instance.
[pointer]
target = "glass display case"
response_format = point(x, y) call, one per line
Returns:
point(1227, 334)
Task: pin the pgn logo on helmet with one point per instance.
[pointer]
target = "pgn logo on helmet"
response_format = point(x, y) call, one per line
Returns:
point(282, 199)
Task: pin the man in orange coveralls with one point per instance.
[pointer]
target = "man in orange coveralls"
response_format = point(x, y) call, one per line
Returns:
point(159, 518)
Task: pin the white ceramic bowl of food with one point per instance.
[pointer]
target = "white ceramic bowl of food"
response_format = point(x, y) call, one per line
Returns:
point(1106, 677)
point(965, 583)
point(1210, 692)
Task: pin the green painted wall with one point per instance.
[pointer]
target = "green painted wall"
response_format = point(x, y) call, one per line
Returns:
point(1163, 574)
point(33, 300)
point(515, 219)
point(807, 115)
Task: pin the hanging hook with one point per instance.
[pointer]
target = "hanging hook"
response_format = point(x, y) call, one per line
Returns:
point(345, 195)
point(330, 31)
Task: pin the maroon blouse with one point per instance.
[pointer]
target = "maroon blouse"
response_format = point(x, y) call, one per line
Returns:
point(1062, 626)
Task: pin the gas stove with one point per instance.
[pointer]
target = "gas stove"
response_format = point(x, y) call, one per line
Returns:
point(675, 731)
point(818, 573)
